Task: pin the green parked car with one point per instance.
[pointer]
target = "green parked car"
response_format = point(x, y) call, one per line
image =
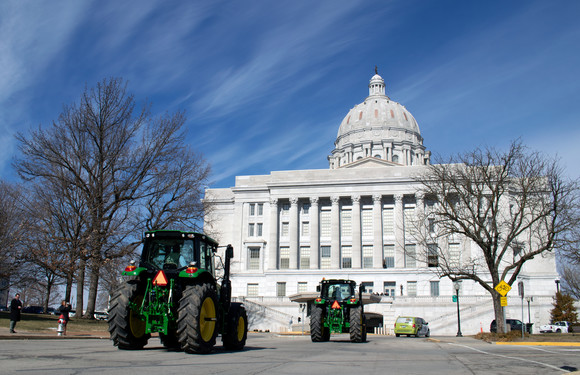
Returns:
point(411, 326)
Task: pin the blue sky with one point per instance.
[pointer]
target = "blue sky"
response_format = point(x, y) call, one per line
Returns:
point(265, 84)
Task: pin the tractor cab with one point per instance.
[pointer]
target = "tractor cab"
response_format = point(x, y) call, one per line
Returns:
point(338, 290)
point(175, 250)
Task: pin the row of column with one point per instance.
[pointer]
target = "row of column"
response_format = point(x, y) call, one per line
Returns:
point(335, 245)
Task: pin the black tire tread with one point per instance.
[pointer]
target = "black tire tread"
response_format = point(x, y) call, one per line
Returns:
point(188, 324)
point(230, 336)
point(118, 319)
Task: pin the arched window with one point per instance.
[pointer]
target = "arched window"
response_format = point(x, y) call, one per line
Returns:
point(392, 114)
point(395, 158)
point(376, 113)
point(360, 115)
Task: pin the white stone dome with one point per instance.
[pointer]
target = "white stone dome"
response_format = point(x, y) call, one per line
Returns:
point(379, 128)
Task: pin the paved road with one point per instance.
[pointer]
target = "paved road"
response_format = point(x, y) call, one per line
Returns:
point(272, 354)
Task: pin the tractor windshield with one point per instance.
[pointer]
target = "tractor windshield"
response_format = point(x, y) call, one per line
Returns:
point(173, 253)
point(339, 292)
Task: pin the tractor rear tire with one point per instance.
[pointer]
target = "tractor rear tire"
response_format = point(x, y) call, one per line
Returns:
point(197, 319)
point(318, 332)
point(357, 326)
point(236, 332)
point(126, 328)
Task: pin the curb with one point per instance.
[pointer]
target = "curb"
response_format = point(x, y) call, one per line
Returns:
point(539, 343)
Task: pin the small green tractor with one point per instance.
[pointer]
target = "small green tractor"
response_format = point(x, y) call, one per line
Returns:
point(174, 292)
point(338, 309)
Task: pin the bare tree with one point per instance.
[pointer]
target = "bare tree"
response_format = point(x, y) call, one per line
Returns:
point(513, 205)
point(109, 156)
point(571, 280)
point(12, 232)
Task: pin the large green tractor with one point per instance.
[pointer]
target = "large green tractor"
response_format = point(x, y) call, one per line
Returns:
point(338, 309)
point(174, 292)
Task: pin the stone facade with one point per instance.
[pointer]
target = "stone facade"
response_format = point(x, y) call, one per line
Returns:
point(290, 229)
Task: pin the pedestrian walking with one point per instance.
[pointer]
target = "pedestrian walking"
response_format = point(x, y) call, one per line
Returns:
point(15, 309)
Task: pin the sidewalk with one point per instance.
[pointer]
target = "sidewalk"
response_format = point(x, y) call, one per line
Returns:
point(50, 335)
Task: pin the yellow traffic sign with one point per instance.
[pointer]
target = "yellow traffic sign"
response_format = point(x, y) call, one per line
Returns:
point(503, 288)
point(503, 301)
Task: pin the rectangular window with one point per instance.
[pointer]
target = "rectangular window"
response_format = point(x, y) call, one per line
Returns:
point(390, 288)
point(281, 289)
point(252, 290)
point(259, 229)
point(434, 288)
point(517, 250)
point(306, 208)
point(367, 286)
point(367, 251)
point(260, 209)
point(284, 257)
point(305, 228)
point(304, 257)
point(285, 208)
point(431, 225)
point(251, 230)
point(410, 256)
point(389, 251)
point(454, 255)
point(388, 221)
point(346, 223)
point(409, 219)
point(285, 229)
point(367, 223)
point(346, 257)
point(252, 209)
point(324, 257)
point(412, 288)
point(302, 287)
point(325, 224)
point(432, 255)
point(254, 258)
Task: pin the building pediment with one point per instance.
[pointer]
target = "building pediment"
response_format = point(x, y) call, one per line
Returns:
point(371, 162)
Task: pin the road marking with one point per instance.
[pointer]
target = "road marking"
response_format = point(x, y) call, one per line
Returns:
point(505, 356)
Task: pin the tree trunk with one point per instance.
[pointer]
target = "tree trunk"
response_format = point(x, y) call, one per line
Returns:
point(93, 289)
point(81, 286)
point(69, 284)
point(498, 311)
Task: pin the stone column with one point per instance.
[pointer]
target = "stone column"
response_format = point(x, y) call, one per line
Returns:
point(335, 233)
point(293, 233)
point(356, 233)
point(273, 243)
point(399, 232)
point(377, 231)
point(314, 234)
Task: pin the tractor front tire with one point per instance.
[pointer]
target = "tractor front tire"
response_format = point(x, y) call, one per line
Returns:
point(126, 328)
point(318, 332)
point(197, 319)
point(357, 326)
point(236, 332)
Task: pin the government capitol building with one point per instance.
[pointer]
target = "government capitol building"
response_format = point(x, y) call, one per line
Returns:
point(291, 229)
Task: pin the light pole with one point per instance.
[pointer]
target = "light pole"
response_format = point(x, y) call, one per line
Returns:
point(457, 286)
point(529, 299)
point(557, 281)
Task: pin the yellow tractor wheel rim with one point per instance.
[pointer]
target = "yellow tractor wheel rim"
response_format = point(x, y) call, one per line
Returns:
point(207, 319)
point(241, 328)
point(136, 325)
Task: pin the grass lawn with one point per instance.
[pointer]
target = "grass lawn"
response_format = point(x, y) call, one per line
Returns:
point(48, 323)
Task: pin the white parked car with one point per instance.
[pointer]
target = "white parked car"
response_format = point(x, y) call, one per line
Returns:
point(559, 327)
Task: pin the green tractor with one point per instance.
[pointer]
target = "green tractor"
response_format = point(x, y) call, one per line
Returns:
point(338, 309)
point(174, 292)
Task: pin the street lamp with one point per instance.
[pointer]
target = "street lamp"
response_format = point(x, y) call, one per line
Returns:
point(457, 286)
point(529, 299)
point(557, 281)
